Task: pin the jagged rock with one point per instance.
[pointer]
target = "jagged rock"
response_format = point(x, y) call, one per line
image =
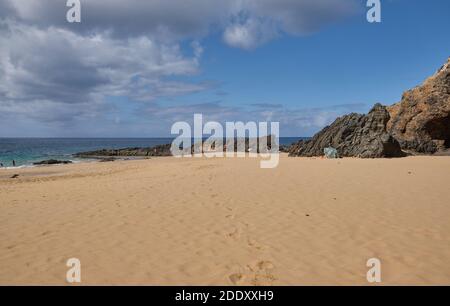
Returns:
point(160, 150)
point(52, 162)
point(421, 121)
point(237, 143)
point(353, 135)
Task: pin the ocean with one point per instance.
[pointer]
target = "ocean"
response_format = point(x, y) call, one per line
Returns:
point(25, 151)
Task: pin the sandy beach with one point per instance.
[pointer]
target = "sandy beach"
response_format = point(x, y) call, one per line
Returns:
point(171, 221)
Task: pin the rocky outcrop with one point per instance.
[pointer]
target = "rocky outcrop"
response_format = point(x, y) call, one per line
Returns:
point(160, 150)
point(419, 123)
point(52, 162)
point(421, 120)
point(239, 144)
point(164, 150)
point(353, 135)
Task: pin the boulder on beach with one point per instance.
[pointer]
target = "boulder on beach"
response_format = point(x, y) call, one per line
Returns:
point(353, 135)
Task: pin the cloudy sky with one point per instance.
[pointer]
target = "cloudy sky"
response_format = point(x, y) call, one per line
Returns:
point(132, 68)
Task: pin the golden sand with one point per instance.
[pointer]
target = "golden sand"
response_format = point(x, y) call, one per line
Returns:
point(168, 221)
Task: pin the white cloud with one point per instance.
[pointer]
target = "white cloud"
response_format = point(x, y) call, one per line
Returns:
point(172, 20)
point(249, 34)
point(68, 68)
point(259, 21)
point(55, 72)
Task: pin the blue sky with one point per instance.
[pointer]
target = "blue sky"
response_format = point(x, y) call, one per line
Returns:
point(301, 74)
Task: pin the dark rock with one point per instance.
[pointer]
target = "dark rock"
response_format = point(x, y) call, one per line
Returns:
point(52, 162)
point(353, 135)
point(108, 159)
point(237, 143)
point(421, 120)
point(419, 123)
point(284, 149)
point(15, 176)
point(164, 150)
point(160, 150)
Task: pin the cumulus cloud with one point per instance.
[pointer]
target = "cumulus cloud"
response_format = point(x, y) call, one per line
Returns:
point(300, 17)
point(159, 19)
point(256, 22)
point(250, 33)
point(53, 71)
point(55, 67)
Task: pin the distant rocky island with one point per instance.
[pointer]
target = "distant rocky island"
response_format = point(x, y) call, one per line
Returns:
point(418, 124)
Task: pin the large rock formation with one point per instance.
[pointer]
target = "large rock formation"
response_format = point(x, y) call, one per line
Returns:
point(421, 121)
point(353, 135)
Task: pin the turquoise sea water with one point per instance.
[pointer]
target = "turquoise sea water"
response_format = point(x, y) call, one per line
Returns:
point(25, 151)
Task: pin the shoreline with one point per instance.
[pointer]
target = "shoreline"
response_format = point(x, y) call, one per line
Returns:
point(99, 159)
point(69, 148)
point(74, 161)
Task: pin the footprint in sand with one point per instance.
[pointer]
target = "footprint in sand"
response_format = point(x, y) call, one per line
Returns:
point(45, 233)
point(263, 274)
point(258, 274)
point(265, 265)
point(235, 234)
point(236, 278)
point(255, 244)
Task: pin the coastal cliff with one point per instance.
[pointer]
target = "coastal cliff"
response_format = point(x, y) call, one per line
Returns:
point(421, 120)
point(418, 124)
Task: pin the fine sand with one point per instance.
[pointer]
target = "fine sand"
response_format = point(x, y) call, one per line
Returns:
point(168, 221)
